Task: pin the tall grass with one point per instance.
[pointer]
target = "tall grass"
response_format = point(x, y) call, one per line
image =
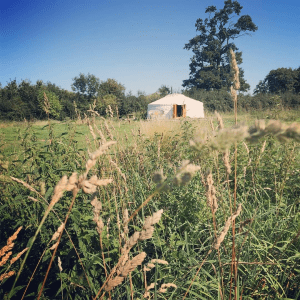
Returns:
point(199, 210)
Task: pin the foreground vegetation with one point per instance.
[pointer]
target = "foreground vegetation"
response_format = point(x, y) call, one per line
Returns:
point(219, 229)
point(179, 209)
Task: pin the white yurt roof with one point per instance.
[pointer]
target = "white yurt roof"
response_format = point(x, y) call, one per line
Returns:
point(178, 99)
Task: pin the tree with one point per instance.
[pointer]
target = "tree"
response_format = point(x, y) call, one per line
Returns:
point(210, 65)
point(261, 88)
point(111, 86)
point(87, 85)
point(164, 91)
point(281, 80)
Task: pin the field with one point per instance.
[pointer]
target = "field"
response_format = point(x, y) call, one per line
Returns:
point(182, 209)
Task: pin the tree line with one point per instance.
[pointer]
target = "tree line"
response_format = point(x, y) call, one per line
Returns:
point(25, 100)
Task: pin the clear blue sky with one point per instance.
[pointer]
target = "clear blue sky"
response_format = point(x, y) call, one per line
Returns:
point(138, 43)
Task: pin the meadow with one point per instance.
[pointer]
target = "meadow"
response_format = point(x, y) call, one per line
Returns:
point(182, 209)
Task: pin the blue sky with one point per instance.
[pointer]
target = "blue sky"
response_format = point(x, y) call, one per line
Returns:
point(137, 42)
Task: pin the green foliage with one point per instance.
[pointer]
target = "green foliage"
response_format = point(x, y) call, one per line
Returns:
point(281, 80)
point(219, 100)
point(209, 67)
point(164, 91)
point(86, 85)
point(267, 231)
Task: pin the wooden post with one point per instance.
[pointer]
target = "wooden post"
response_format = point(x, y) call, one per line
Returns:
point(184, 110)
point(174, 111)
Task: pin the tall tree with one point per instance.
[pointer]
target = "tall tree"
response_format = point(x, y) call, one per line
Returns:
point(209, 67)
point(86, 85)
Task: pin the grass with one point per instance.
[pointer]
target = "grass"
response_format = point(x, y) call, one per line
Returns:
point(266, 231)
point(185, 209)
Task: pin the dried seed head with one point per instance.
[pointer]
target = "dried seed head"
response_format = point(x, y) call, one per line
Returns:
point(151, 220)
point(226, 161)
point(113, 283)
point(14, 236)
point(220, 120)
point(59, 190)
point(5, 258)
point(58, 232)
point(212, 202)
point(132, 264)
point(54, 246)
point(165, 286)
point(125, 221)
point(235, 68)
point(6, 275)
point(59, 264)
point(88, 187)
point(18, 256)
point(159, 261)
point(222, 235)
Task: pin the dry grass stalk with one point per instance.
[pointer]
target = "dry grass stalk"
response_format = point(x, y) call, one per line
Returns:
point(125, 266)
point(107, 228)
point(148, 288)
point(132, 264)
point(235, 68)
point(92, 132)
point(165, 286)
point(59, 190)
point(59, 264)
point(13, 260)
point(125, 221)
point(222, 235)
point(152, 263)
point(212, 202)
point(58, 232)
point(97, 218)
point(236, 82)
point(46, 105)
point(77, 112)
point(118, 169)
point(159, 261)
point(9, 243)
point(220, 120)
point(103, 139)
point(5, 253)
point(6, 275)
point(54, 246)
point(108, 130)
point(212, 125)
point(33, 199)
point(111, 114)
point(226, 161)
point(25, 184)
point(5, 258)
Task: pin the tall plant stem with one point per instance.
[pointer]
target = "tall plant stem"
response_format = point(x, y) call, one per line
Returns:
point(58, 241)
point(30, 246)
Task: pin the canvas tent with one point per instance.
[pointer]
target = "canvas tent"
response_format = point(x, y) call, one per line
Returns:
point(175, 106)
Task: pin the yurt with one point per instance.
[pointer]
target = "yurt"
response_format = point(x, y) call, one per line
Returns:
point(175, 106)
